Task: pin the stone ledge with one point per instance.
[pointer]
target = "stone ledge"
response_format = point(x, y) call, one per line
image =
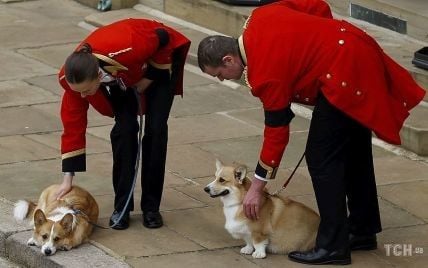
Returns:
point(85, 255)
point(416, 18)
point(116, 4)
point(414, 134)
point(223, 18)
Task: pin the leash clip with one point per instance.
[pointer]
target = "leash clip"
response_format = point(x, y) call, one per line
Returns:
point(289, 178)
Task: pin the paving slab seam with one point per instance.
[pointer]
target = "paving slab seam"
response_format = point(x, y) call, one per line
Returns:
point(401, 182)
point(29, 161)
point(189, 251)
point(404, 210)
point(48, 158)
point(28, 105)
point(180, 209)
point(107, 250)
point(382, 260)
point(177, 174)
point(402, 227)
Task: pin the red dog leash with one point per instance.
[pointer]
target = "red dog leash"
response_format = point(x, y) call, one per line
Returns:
point(291, 175)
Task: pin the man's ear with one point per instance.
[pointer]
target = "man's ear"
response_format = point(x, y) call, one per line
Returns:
point(227, 60)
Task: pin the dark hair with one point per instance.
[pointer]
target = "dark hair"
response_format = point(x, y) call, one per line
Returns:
point(81, 65)
point(212, 49)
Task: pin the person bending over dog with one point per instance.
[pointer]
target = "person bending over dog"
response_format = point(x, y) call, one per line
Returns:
point(306, 56)
point(139, 54)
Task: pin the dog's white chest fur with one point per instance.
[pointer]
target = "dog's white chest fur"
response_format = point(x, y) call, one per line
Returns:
point(235, 226)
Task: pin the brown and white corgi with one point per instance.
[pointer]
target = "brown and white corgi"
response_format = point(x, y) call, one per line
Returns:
point(284, 225)
point(59, 224)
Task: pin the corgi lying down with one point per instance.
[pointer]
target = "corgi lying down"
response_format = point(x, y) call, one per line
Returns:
point(59, 224)
point(284, 225)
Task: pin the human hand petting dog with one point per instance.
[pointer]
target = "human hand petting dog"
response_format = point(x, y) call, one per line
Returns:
point(65, 186)
point(254, 199)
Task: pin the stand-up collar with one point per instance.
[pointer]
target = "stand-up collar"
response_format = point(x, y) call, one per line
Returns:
point(242, 50)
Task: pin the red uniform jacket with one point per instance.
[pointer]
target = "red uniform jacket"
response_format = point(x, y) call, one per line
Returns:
point(127, 46)
point(305, 51)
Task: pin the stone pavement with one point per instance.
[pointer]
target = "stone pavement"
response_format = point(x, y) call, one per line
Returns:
point(213, 120)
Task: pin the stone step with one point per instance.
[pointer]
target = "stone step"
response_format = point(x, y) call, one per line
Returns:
point(408, 17)
point(415, 132)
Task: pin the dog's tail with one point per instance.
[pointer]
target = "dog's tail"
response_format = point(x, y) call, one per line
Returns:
point(23, 210)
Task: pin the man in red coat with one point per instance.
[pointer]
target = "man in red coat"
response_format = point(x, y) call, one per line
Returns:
point(294, 51)
point(106, 71)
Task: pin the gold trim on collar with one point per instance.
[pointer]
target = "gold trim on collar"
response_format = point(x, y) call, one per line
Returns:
point(244, 58)
point(245, 72)
point(114, 65)
point(247, 21)
point(242, 49)
point(73, 154)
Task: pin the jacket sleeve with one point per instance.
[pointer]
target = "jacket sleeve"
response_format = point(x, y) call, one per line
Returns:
point(73, 141)
point(278, 114)
point(313, 7)
point(271, 79)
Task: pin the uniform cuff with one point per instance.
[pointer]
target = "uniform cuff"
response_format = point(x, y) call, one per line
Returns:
point(265, 171)
point(75, 163)
point(260, 178)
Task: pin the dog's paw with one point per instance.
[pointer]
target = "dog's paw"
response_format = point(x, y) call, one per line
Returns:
point(247, 250)
point(259, 254)
point(31, 242)
point(66, 247)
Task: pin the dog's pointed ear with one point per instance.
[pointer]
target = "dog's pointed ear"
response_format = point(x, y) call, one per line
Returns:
point(240, 173)
point(67, 222)
point(39, 218)
point(218, 164)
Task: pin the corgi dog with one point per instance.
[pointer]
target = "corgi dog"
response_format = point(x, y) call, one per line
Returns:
point(59, 224)
point(284, 225)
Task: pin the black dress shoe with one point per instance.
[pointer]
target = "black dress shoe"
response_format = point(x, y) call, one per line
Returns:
point(321, 256)
point(122, 224)
point(362, 242)
point(152, 219)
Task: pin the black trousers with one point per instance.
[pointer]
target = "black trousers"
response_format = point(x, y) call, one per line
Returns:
point(124, 140)
point(340, 162)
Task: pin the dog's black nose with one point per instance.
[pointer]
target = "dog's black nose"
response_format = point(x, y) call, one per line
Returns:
point(48, 251)
point(207, 189)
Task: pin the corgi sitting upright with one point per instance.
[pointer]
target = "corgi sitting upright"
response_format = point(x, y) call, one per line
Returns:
point(59, 224)
point(284, 225)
